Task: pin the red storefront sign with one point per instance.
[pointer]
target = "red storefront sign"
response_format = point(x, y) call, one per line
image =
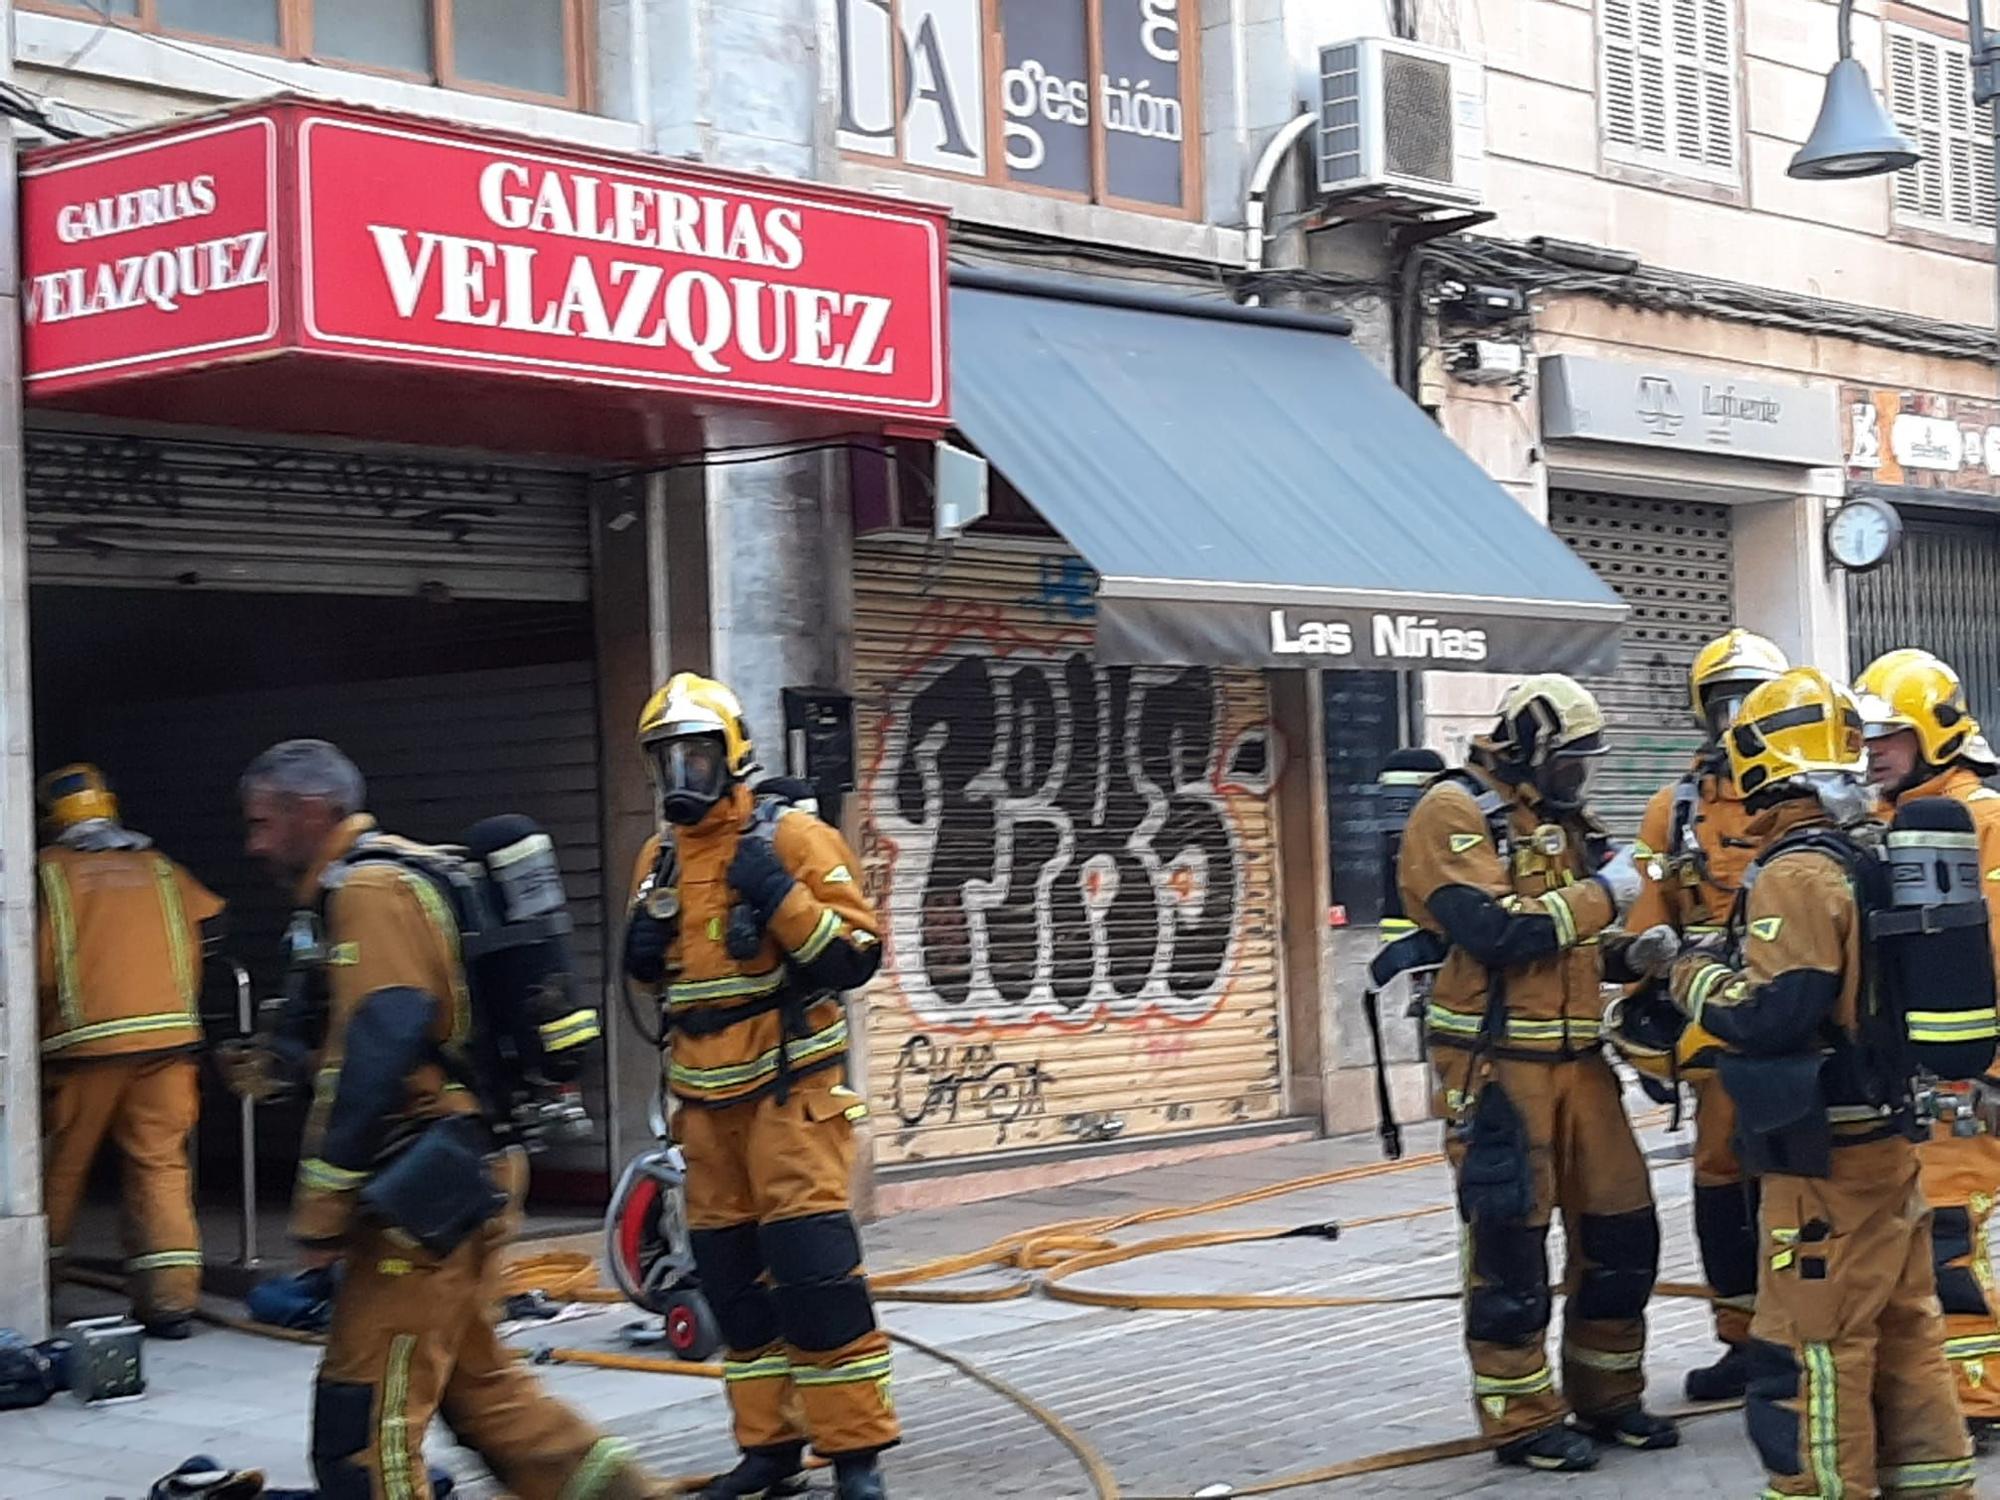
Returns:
point(151, 254)
point(331, 242)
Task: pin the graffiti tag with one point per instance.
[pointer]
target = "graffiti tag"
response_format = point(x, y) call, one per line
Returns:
point(933, 1082)
point(1062, 848)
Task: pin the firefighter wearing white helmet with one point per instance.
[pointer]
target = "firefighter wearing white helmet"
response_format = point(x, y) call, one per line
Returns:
point(1695, 831)
point(1924, 742)
point(748, 922)
point(1503, 861)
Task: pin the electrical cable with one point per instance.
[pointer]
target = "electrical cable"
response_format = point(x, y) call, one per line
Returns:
point(1662, 290)
point(17, 104)
point(1057, 1251)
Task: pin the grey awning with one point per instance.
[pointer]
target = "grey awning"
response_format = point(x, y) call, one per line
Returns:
point(1253, 492)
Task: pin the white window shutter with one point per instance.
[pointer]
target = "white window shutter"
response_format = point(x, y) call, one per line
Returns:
point(1669, 84)
point(1903, 108)
point(1621, 73)
point(1982, 167)
point(1929, 88)
point(1655, 124)
point(1718, 57)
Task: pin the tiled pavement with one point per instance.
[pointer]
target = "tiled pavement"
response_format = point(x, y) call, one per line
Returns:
point(1175, 1401)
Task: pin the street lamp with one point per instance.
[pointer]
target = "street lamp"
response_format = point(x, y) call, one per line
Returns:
point(1854, 136)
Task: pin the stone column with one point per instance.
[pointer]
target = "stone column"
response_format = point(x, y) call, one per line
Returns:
point(24, 1290)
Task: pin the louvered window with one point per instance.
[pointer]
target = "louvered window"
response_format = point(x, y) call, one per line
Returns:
point(1668, 86)
point(1930, 93)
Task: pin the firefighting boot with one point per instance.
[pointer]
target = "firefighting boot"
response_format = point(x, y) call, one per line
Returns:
point(859, 1479)
point(1634, 1428)
point(1725, 1380)
point(1554, 1450)
point(761, 1474)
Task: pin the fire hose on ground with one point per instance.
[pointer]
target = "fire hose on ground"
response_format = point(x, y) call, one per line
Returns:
point(1046, 1258)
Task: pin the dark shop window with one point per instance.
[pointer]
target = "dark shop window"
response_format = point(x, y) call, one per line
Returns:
point(518, 49)
point(1364, 726)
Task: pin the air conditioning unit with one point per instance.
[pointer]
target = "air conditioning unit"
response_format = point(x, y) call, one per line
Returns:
point(1403, 121)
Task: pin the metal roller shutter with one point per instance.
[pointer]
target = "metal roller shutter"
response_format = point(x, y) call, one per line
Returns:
point(139, 511)
point(439, 751)
point(1670, 561)
point(441, 747)
point(1937, 592)
point(1075, 865)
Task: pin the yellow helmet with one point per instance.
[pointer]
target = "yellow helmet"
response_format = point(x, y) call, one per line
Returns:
point(1657, 1041)
point(1794, 725)
point(74, 794)
point(1727, 668)
point(1914, 690)
point(697, 745)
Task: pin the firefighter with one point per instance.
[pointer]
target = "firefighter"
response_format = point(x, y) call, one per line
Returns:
point(1694, 833)
point(1502, 860)
point(1849, 1390)
point(747, 924)
point(412, 1332)
point(1923, 742)
point(119, 934)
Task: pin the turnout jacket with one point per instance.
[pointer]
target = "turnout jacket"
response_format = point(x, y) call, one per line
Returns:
point(119, 939)
point(396, 998)
point(1529, 916)
point(1797, 991)
point(730, 1016)
point(1695, 897)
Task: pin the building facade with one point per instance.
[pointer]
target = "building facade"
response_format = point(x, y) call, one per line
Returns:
point(1104, 872)
point(1112, 743)
point(1714, 357)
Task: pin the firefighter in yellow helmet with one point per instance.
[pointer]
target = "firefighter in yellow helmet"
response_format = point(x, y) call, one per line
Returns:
point(119, 932)
point(1695, 829)
point(1924, 742)
point(748, 922)
point(1504, 862)
point(1849, 1390)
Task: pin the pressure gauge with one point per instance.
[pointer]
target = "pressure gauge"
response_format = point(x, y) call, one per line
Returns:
point(1863, 534)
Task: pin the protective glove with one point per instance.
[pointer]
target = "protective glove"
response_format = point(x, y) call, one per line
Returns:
point(760, 877)
point(250, 1070)
point(1621, 879)
point(647, 939)
point(1652, 952)
point(1713, 945)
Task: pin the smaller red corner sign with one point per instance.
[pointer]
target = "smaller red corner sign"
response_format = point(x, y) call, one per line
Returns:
point(150, 254)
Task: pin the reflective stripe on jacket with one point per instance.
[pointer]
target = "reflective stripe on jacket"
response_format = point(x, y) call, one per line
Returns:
point(119, 934)
point(728, 1026)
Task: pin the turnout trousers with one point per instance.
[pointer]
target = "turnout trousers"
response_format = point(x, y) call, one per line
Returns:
point(1850, 1393)
point(1584, 1160)
point(780, 1263)
point(1960, 1178)
point(1725, 1213)
point(413, 1336)
point(146, 1107)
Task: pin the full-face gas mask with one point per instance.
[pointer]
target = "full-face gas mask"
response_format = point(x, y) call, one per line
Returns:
point(690, 775)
